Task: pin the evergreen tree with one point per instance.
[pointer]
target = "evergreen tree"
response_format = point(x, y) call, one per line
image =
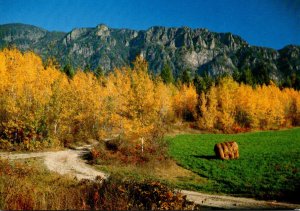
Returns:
point(200, 84)
point(166, 74)
point(185, 77)
point(247, 77)
point(87, 68)
point(69, 70)
point(236, 75)
point(99, 72)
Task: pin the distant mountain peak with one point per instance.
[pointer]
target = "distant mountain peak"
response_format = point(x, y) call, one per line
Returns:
point(198, 50)
point(102, 26)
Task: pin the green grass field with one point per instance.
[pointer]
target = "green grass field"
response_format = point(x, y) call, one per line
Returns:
point(268, 167)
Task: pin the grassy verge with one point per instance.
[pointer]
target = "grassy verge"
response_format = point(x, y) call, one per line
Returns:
point(268, 168)
point(166, 172)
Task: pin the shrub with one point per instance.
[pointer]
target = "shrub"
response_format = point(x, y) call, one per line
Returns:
point(145, 195)
point(129, 152)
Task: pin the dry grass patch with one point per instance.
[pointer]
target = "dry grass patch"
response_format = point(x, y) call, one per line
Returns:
point(172, 172)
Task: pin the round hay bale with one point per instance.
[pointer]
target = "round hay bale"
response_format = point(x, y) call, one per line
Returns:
point(227, 150)
point(235, 146)
point(231, 155)
point(219, 151)
point(236, 154)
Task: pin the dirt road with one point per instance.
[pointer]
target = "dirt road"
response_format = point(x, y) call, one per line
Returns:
point(71, 162)
point(230, 202)
point(63, 162)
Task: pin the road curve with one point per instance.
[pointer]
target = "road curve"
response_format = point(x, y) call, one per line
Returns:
point(63, 162)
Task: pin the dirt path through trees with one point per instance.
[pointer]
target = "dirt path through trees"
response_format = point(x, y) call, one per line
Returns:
point(71, 162)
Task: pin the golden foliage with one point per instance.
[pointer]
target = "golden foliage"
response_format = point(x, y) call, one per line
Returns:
point(208, 109)
point(185, 102)
point(234, 107)
point(39, 103)
point(47, 104)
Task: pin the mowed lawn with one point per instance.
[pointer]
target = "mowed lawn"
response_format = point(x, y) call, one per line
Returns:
point(268, 167)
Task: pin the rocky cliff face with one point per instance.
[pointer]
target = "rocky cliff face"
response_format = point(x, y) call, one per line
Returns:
point(198, 50)
point(27, 37)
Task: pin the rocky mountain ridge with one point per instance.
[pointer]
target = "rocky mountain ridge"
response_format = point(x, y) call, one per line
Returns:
point(198, 50)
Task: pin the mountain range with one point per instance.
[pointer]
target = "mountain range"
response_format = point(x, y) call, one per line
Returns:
point(199, 51)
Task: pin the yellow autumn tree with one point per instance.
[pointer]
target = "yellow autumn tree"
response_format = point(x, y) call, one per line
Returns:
point(208, 109)
point(226, 92)
point(132, 100)
point(246, 113)
point(292, 110)
point(83, 106)
point(240, 106)
point(185, 102)
point(25, 94)
point(163, 96)
point(269, 107)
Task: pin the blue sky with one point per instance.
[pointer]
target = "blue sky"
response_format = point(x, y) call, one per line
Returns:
point(269, 23)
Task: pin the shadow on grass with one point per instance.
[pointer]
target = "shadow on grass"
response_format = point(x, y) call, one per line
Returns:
point(207, 157)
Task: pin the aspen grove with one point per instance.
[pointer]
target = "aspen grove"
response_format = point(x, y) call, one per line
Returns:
point(40, 106)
